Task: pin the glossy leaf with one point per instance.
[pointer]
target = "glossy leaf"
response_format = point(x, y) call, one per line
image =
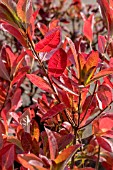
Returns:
point(42, 27)
point(64, 140)
point(66, 154)
point(6, 13)
point(53, 146)
point(31, 161)
point(90, 103)
point(88, 27)
point(35, 146)
point(24, 120)
point(64, 97)
point(75, 54)
point(2, 128)
point(53, 111)
point(101, 74)
point(53, 24)
point(7, 156)
point(92, 60)
point(3, 70)
point(101, 43)
point(104, 95)
point(107, 12)
point(108, 82)
point(16, 100)
point(15, 141)
point(24, 10)
point(39, 82)
point(3, 93)
point(50, 41)
point(34, 130)
point(88, 66)
point(1, 141)
point(57, 63)
point(15, 32)
point(11, 55)
point(105, 143)
point(26, 141)
point(20, 75)
point(103, 125)
point(88, 168)
point(62, 86)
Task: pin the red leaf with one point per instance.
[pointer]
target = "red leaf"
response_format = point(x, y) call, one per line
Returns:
point(11, 55)
point(107, 12)
point(15, 32)
point(42, 27)
point(3, 71)
point(64, 140)
point(53, 24)
point(26, 141)
point(108, 133)
point(108, 82)
point(20, 74)
point(104, 94)
point(73, 49)
point(39, 82)
point(82, 60)
point(105, 143)
point(24, 10)
point(30, 161)
point(102, 73)
point(53, 147)
point(106, 122)
point(1, 140)
point(65, 98)
point(16, 99)
point(66, 154)
point(7, 156)
point(103, 125)
point(57, 63)
point(2, 128)
point(88, 28)
point(101, 43)
point(92, 103)
point(88, 168)
point(50, 41)
point(53, 111)
point(64, 87)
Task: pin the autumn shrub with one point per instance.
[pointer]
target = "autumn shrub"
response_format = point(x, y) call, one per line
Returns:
point(56, 85)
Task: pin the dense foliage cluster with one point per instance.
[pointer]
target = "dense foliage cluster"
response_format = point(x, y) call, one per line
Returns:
point(56, 85)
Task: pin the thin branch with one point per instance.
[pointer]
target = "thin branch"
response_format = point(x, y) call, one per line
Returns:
point(79, 109)
point(74, 142)
point(98, 158)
